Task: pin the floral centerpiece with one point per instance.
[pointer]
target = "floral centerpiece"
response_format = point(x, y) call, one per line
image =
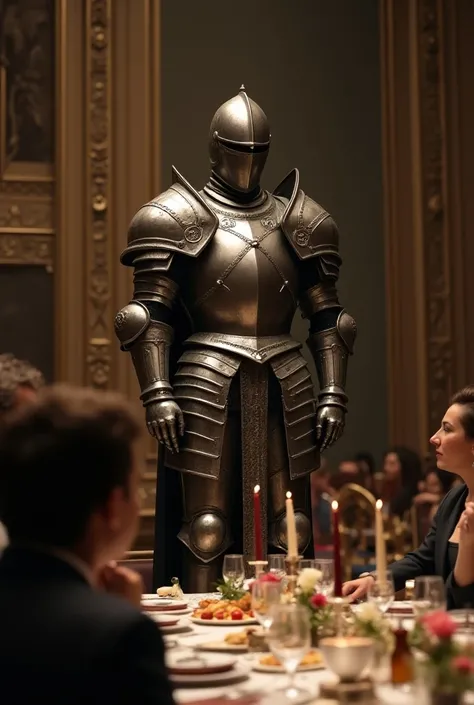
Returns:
point(368, 621)
point(320, 612)
point(444, 664)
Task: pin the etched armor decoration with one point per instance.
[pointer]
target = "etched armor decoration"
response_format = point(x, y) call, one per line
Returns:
point(238, 409)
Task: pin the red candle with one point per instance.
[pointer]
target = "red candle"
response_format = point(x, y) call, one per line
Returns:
point(337, 550)
point(257, 523)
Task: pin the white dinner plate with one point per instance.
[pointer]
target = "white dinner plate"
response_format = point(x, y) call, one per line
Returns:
point(222, 646)
point(237, 674)
point(189, 664)
point(164, 620)
point(223, 622)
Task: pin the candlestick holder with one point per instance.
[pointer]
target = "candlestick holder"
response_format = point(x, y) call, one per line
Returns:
point(340, 605)
point(259, 567)
point(292, 563)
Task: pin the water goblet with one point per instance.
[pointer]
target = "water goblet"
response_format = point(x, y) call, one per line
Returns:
point(265, 596)
point(326, 568)
point(289, 639)
point(429, 594)
point(233, 570)
point(382, 591)
point(276, 564)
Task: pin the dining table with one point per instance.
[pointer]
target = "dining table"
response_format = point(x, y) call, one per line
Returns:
point(185, 641)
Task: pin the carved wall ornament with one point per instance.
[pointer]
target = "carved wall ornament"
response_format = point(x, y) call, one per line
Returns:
point(439, 338)
point(24, 249)
point(99, 263)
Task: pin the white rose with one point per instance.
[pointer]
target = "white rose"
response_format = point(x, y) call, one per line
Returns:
point(308, 579)
point(369, 612)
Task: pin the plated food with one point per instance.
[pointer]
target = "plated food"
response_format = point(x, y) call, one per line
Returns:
point(269, 663)
point(239, 638)
point(215, 610)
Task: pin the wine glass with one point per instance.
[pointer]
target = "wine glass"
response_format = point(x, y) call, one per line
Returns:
point(276, 564)
point(326, 568)
point(233, 569)
point(382, 591)
point(429, 594)
point(265, 596)
point(289, 641)
point(305, 563)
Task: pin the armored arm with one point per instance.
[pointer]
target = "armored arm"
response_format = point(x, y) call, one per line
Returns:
point(332, 330)
point(176, 223)
point(313, 235)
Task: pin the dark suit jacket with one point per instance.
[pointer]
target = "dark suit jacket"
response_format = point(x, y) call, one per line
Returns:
point(64, 643)
point(431, 557)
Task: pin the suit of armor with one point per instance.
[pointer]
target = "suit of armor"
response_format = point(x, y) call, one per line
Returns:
point(239, 409)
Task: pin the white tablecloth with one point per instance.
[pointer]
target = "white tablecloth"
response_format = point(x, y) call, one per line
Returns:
point(261, 683)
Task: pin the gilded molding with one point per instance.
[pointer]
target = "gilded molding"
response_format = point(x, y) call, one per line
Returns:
point(439, 338)
point(99, 257)
point(26, 213)
point(21, 249)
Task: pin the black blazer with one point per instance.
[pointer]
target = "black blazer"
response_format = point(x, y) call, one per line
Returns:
point(64, 643)
point(431, 557)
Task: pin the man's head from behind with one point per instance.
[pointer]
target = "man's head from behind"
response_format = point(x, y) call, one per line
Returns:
point(19, 382)
point(69, 473)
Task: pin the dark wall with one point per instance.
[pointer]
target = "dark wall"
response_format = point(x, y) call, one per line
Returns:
point(313, 65)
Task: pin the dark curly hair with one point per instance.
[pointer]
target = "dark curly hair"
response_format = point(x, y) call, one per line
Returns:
point(14, 374)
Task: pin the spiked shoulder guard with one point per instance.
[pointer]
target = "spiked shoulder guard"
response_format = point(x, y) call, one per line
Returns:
point(176, 221)
point(309, 229)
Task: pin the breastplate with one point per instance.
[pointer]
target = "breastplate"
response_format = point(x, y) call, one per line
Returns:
point(245, 282)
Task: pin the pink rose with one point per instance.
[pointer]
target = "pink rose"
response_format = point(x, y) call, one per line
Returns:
point(439, 624)
point(463, 664)
point(318, 601)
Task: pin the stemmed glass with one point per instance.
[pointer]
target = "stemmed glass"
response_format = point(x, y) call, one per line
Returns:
point(326, 568)
point(289, 641)
point(233, 570)
point(276, 564)
point(429, 594)
point(265, 596)
point(305, 563)
point(382, 591)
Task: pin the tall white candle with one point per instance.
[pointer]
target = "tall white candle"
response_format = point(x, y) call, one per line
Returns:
point(291, 527)
point(380, 552)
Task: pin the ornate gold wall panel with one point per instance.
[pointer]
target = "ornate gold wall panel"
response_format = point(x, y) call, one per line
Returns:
point(108, 81)
point(425, 269)
point(27, 223)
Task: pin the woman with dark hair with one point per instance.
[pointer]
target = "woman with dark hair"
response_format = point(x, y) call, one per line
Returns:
point(402, 473)
point(448, 548)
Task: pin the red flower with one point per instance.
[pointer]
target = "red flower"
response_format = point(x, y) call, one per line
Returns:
point(269, 578)
point(464, 665)
point(439, 624)
point(318, 601)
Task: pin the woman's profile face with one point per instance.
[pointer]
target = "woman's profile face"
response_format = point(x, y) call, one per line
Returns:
point(454, 451)
point(392, 466)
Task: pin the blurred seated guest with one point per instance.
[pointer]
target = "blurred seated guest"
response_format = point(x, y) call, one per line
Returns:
point(321, 494)
point(402, 473)
point(19, 382)
point(72, 630)
point(434, 487)
point(347, 471)
point(448, 548)
point(366, 464)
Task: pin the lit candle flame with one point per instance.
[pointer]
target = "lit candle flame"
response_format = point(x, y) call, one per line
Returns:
point(288, 495)
point(335, 505)
point(378, 505)
point(256, 489)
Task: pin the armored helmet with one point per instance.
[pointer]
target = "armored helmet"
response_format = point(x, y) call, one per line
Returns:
point(239, 141)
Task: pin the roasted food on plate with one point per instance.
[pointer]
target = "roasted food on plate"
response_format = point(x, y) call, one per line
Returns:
point(227, 610)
